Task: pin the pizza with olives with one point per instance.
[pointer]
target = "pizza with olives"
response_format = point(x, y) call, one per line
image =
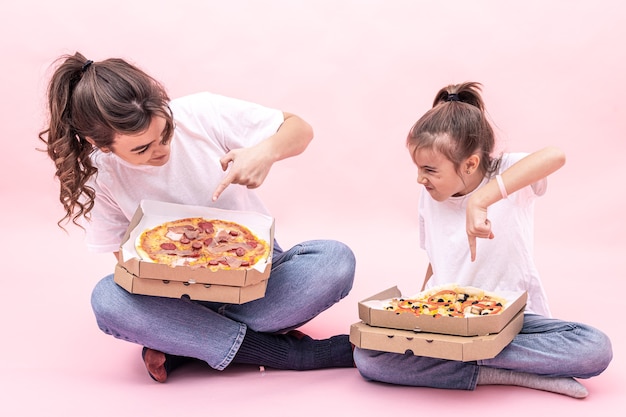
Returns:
point(451, 301)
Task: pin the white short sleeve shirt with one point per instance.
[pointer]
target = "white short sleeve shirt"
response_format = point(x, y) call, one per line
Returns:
point(207, 127)
point(504, 263)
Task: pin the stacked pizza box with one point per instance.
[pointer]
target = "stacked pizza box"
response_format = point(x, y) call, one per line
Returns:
point(468, 338)
point(237, 286)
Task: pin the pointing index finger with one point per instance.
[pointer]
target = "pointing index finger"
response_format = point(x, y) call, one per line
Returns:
point(224, 161)
point(221, 187)
point(472, 244)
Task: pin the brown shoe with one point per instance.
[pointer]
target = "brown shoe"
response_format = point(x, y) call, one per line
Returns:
point(156, 364)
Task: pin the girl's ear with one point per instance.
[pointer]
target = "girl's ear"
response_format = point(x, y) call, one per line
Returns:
point(471, 164)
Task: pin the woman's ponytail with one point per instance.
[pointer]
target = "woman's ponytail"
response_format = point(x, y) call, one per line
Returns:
point(89, 104)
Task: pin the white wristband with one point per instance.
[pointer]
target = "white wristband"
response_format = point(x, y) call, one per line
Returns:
point(501, 185)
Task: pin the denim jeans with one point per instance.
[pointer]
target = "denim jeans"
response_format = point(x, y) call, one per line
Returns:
point(304, 281)
point(544, 346)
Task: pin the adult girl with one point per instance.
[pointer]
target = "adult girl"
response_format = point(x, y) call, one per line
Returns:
point(116, 138)
point(471, 194)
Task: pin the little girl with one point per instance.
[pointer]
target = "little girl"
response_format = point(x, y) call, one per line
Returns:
point(116, 138)
point(469, 195)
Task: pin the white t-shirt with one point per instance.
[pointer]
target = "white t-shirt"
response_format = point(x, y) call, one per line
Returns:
point(504, 263)
point(207, 127)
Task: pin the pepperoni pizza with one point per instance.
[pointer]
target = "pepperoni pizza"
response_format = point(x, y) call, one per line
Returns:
point(203, 243)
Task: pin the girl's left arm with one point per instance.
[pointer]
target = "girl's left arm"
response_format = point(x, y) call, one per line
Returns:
point(524, 172)
point(250, 166)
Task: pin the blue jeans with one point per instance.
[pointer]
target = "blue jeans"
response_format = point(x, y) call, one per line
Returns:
point(544, 346)
point(304, 281)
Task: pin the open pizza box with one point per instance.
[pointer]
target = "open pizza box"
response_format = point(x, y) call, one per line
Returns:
point(435, 345)
point(372, 312)
point(152, 213)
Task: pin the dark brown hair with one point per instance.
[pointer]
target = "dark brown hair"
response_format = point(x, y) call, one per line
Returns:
point(98, 100)
point(457, 127)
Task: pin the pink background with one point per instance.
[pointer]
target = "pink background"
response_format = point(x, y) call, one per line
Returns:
point(361, 72)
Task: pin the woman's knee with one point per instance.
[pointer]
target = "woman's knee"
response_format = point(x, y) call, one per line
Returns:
point(343, 254)
point(342, 259)
point(330, 264)
point(106, 302)
point(101, 293)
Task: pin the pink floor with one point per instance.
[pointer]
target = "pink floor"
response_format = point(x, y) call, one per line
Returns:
point(361, 72)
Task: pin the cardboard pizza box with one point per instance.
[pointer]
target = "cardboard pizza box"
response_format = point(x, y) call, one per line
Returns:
point(179, 289)
point(152, 213)
point(371, 312)
point(435, 345)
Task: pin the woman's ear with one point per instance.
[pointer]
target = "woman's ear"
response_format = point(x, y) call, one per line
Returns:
point(93, 143)
point(88, 139)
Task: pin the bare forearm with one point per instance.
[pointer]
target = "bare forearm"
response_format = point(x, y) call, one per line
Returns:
point(291, 139)
point(526, 171)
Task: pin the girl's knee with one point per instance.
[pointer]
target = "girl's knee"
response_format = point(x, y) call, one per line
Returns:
point(600, 344)
point(367, 363)
point(595, 352)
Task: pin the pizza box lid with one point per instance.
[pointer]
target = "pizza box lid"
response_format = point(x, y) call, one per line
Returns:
point(197, 291)
point(435, 345)
point(151, 213)
point(373, 313)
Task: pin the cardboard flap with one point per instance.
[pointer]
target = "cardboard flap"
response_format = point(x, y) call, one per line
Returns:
point(364, 311)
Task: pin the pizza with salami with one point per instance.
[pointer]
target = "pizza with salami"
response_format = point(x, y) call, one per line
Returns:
point(449, 301)
point(202, 243)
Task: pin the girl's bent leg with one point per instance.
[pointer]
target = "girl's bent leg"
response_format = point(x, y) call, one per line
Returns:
point(416, 371)
point(545, 347)
point(176, 326)
point(555, 348)
point(305, 280)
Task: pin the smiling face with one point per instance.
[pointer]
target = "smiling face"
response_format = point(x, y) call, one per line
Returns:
point(441, 178)
point(147, 148)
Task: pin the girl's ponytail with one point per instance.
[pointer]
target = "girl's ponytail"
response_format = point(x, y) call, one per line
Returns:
point(468, 92)
point(456, 126)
